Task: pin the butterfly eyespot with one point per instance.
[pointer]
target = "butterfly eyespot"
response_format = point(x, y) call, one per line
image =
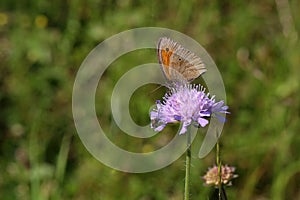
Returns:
point(167, 49)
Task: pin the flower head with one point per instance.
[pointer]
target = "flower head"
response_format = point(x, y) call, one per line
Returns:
point(212, 178)
point(188, 104)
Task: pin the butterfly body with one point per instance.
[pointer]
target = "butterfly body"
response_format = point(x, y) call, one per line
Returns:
point(178, 64)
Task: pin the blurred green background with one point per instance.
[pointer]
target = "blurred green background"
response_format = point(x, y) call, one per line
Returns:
point(255, 44)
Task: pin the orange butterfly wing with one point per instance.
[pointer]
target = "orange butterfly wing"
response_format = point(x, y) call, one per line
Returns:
point(178, 63)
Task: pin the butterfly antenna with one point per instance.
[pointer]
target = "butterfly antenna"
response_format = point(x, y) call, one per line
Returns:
point(156, 89)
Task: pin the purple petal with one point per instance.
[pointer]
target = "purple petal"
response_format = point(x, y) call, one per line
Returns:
point(203, 122)
point(160, 128)
point(177, 117)
point(184, 127)
point(218, 104)
point(153, 115)
point(221, 118)
point(225, 108)
point(183, 130)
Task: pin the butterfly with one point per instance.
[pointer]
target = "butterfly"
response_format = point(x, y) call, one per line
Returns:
point(178, 63)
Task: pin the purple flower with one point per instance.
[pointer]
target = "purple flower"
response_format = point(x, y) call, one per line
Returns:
point(188, 104)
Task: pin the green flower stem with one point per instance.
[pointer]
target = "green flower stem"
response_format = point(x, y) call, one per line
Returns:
point(218, 161)
point(188, 166)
